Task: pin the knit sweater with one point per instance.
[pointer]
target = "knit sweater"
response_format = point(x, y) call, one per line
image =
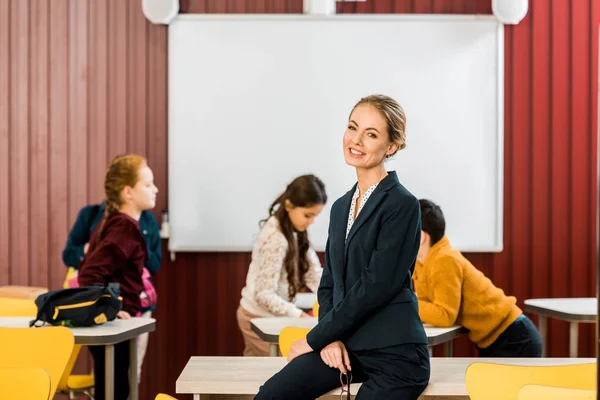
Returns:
point(452, 291)
point(266, 290)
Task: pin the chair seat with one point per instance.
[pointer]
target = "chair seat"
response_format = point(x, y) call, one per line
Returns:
point(80, 382)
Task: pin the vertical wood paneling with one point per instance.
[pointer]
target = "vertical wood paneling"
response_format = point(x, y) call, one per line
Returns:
point(19, 141)
point(117, 77)
point(59, 117)
point(540, 153)
point(98, 99)
point(38, 151)
point(581, 168)
point(422, 6)
point(5, 135)
point(78, 96)
point(136, 78)
point(593, 149)
point(520, 121)
point(560, 160)
point(157, 115)
point(82, 81)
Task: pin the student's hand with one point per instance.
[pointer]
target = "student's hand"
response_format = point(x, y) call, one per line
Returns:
point(336, 356)
point(305, 315)
point(123, 315)
point(85, 248)
point(298, 348)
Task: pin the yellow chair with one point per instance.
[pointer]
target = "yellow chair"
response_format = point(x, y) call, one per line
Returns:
point(10, 307)
point(71, 384)
point(316, 309)
point(162, 396)
point(487, 381)
point(289, 335)
point(539, 392)
point(48, 348)
point(24, 383)
point(75, 384)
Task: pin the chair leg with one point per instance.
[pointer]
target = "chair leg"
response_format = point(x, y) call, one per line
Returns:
point(73, 395)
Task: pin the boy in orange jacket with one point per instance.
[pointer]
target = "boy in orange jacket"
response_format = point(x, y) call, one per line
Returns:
point(452, 291)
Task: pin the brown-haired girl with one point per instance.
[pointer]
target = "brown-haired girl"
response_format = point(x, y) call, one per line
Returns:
point(283, 262)
point(117, 253)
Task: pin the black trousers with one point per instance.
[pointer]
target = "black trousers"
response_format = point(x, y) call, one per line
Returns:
point(121, 378)
point(520, 339)
point(399, 373)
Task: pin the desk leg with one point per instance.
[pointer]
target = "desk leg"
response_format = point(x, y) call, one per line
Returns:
point(133, 370)
point(109, 371)
point(542, 327)
point(196, 397)
point(430, 350)
point(273, 350)
point(448, 348)
point(573, 339)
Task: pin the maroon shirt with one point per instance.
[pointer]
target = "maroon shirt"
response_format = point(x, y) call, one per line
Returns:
point(117, 253)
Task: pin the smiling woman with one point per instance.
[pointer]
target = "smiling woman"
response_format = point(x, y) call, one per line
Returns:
point(369, 327)
point(283, 262)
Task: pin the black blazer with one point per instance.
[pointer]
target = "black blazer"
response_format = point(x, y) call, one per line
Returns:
point(365, 295)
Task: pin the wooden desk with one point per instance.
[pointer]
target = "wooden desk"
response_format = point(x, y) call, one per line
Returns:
point(210, 378)
point(107, 335)
point(572, 310)
point(268, 329)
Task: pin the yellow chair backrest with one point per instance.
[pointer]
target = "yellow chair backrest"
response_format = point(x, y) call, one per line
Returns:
point(162, 396)
point(540, 392)
point(22, 292)
point(487, 381)
point(24, 383)
point(316, 309)
point(289, 335)
point(10, 307)
point(48, 348)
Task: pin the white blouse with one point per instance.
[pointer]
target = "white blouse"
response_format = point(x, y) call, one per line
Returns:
point(363, 200)
point(266, 290)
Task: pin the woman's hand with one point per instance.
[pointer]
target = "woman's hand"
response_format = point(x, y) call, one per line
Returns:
point(298, 348)
point(336, 356)
point(123, 315)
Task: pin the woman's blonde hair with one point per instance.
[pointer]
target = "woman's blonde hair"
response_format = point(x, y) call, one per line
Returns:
point(393, 114)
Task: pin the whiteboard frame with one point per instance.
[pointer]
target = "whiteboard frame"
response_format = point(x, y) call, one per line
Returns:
point(499, 245)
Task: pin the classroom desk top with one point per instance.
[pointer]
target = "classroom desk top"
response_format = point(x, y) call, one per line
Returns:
point(111, 332)
point(240, 377)
point(583, 309)
point(268, 329)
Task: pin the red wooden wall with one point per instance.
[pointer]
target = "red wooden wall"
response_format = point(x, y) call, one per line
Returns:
point(84, 80)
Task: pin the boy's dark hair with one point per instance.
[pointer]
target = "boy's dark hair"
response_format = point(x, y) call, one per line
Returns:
point(432, 220)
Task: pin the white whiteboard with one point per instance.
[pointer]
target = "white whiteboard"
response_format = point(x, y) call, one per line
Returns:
point(255, 101)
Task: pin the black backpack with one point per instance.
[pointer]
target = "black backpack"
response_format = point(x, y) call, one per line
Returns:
point(82, 306)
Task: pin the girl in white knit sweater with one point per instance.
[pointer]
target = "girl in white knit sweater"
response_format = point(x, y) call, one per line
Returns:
point(283, 262)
